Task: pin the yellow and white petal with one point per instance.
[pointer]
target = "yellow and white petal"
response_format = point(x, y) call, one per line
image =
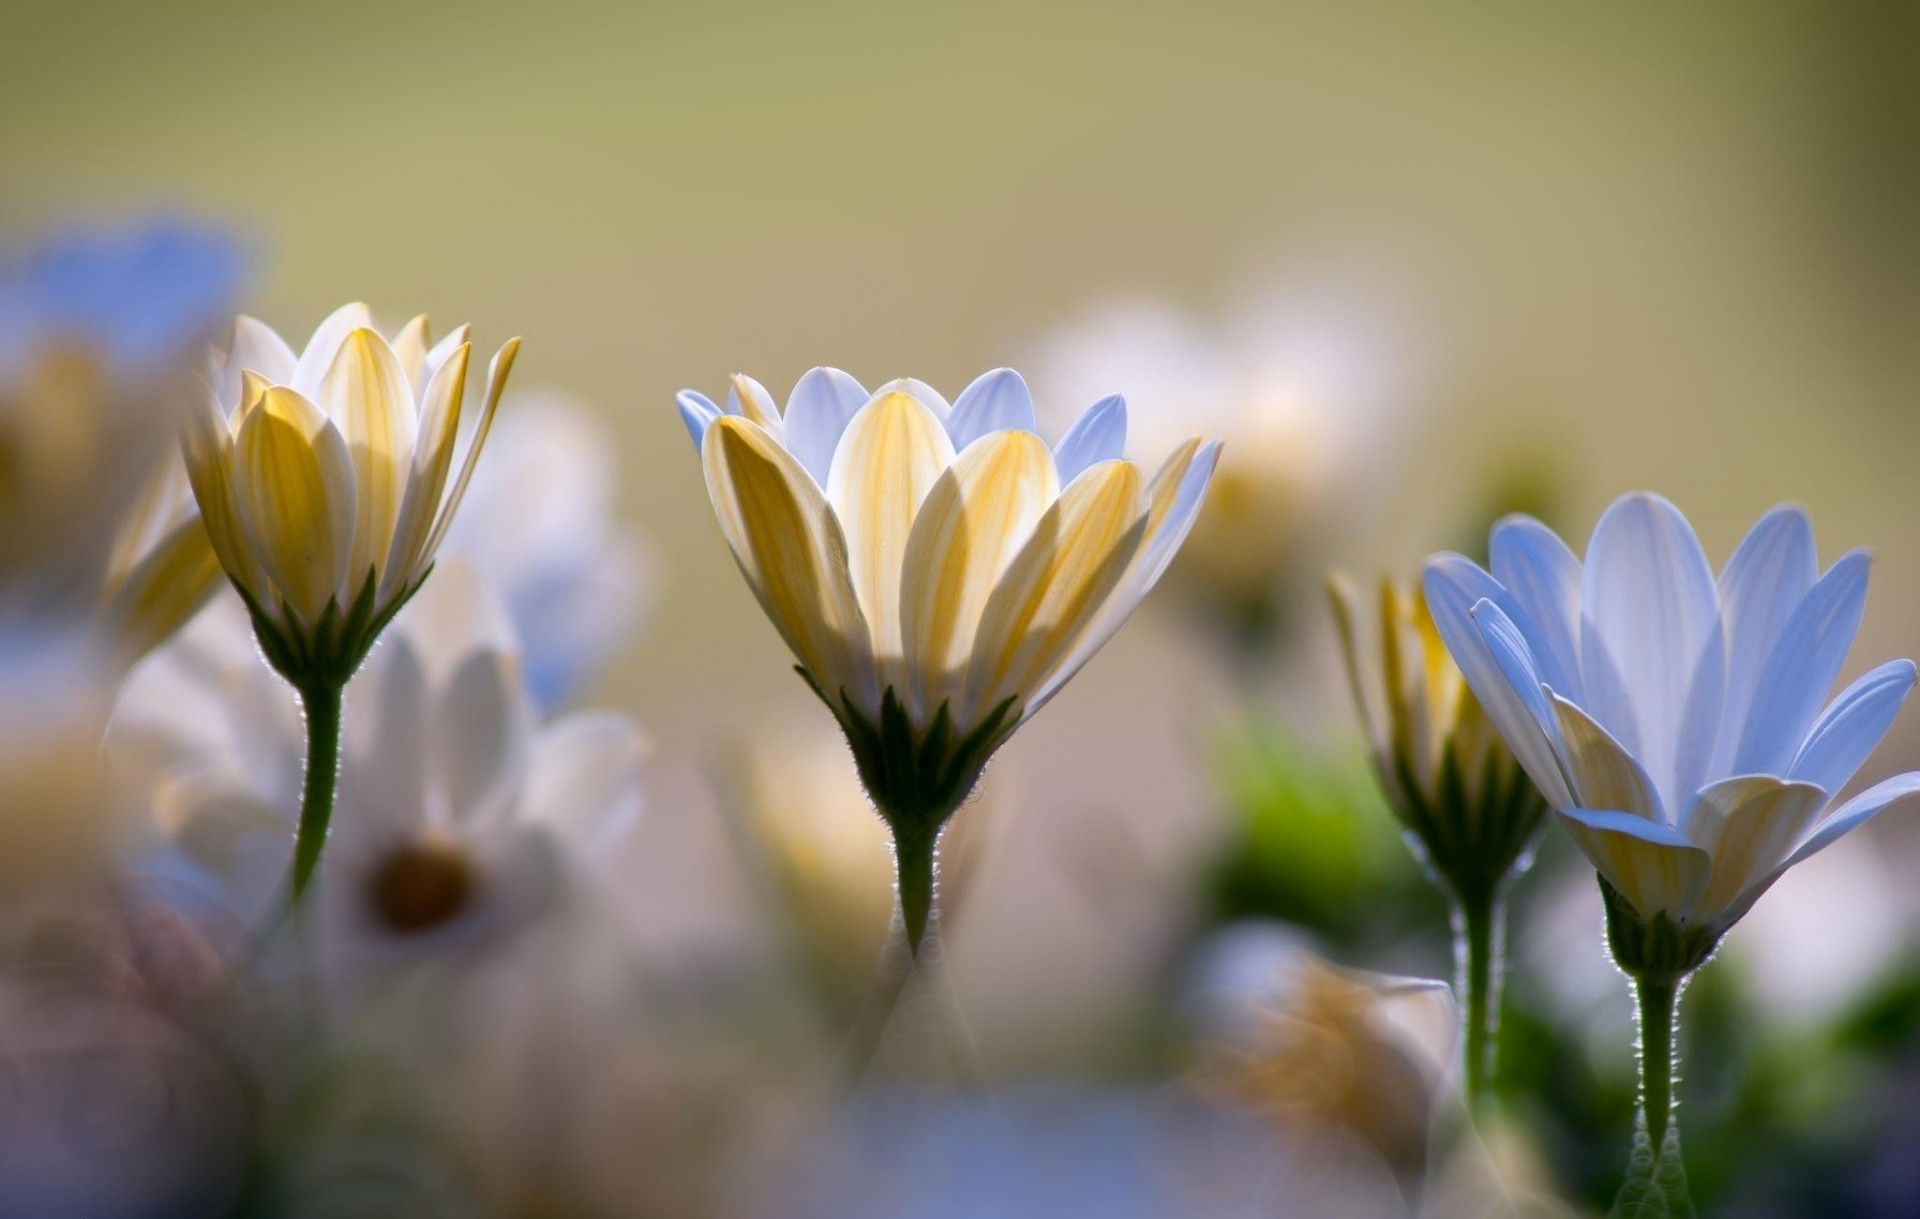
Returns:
point(892, 453)
point(164, 589)
point(1748, 825)
point(208, 451)
point(437, 357)
point(976, 518)
point(790, 548)
point(1345, 599)
point(432, 458)
point(254, 348)
point(1605, 776)
point(367, 396)
point(497, 372)
point(320, 350)
point(1054, 588)
point(1652, 865)
point(748, 398)
point(293, 484)
point(410, 349)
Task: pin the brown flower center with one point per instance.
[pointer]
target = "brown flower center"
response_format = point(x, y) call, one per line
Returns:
point(420, 886)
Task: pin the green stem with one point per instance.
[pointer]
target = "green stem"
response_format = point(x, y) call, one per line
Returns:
point(322, 703)
point(1482, 916)
point(913, 852)
point(1659, 998)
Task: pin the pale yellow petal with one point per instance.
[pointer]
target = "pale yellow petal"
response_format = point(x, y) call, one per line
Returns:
point(1652, 865)
point(893, 451)
point(1345, 599)
point(755, 402)
point(497, 372)
point(1749, 825)
point(1604, 775)
point(790, 548)
point(320, 350)
point(367, 396)
point(432, 458)
point(293, 484)
point(973, 522)
point(1055, 586)
point(164, 589)
point(208, 451)
point(410, 349)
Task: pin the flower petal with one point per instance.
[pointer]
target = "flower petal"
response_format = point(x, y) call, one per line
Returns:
point(1605, 776)
point(1852, 726)
point(1849, 817)
point(1747, 825)
point(926, 395)
point(749, 398)
point(1651, 864)
point(791, 550)
point(208, 450)
point(976, 518)
point(254, 348)
point(1543, 578)
point(367, 395)
point(293, 485)
point(410, 350)
point(1647, 596)
point(893, 452)
point(1768, 576)
point(482, 738)
point(1054, 588)
point(697, 411)
point(1099, 434)
point(996, 400)
point(1794, 681)
point(427, 476)
point(498, 369)
point(163, 590)
point(822, 403)
point(320, 350)
point(586, 778)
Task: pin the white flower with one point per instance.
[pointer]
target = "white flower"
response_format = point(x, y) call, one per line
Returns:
point(456, 806)
point(1678, 723)
point(537, 526)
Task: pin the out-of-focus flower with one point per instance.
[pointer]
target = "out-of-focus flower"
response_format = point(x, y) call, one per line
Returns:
point(1301, 389)
point(1448, 776)
point(1312, 1046)
point(98, 335)
point(323, 477)
point(537, 526)
point(938, 571)
point(1675, 722)
point(459, 805)
point(813, 827)
point(322, 480)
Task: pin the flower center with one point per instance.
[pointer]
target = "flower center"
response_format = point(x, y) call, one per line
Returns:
point(420, 886)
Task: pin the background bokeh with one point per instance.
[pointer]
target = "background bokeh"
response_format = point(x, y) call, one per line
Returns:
point(1604, 249)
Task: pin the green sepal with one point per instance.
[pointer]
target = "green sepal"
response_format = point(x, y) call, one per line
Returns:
point(1655, 948)
point(1473, 846)
point(330, 651)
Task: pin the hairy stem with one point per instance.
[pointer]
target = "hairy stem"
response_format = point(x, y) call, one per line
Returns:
point(322, 703)
point(1481, 930)
point(1659, 998)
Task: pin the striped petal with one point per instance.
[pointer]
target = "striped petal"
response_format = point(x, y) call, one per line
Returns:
point(996, 400)
point(427, 478)
point(749, 399)
point(366, 393)
point(410, 350)
point(497, 372)
point(163, 590)
point(1492, 654)
point(320, 350)
point(893, 452)
point(1605, 776)
point(1099, 434)
point(208, 451)
point(926, 395)
point(255, 348)
point(975, 520)
point(1543, 577)
point(1794, 681)
point(1652, 865)
point(1849, 817)
point(791, 550)
point(1768, 576)
point(1056, 585)
point(822, 403)
point(1747, 825)
point(1851, 728)
point(293, 484)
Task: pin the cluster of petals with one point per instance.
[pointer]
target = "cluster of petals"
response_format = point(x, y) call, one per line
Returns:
point(325, 474)
point(943, 553)
point(1678, 722)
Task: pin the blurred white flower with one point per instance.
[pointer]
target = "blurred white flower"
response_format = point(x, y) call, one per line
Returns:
point(538, 527)
point(459, 812)
point(1303, 389)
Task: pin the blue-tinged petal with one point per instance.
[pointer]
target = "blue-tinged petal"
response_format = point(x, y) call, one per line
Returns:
point(925, 394)
point(697, 411)
point(1796, 676)
point(1849, 817)
point(994, 402)
point(1747, 825)
point(818, 409)
point(1651, 864)
point(1603, 774)
point(1494, 658)
point(1852, 726)
point(1099, 434)
point(1768, 576)
point(1543, 576)
point(1647, 597)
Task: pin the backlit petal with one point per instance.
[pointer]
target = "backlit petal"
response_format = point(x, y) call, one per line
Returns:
point(996, 400)
point(427, 477)
point(1099, 434)
point(1605, 776)
point(1747, 825)
point(1543, 577)
point(1652, 865)
point(1768, 576)
point(257, 349)
point(367, 395)
point(497, 372)
point(697, 411)
point(320, 350)
point(293, 484)
point(1851, 728)
point(823, 401)
point(1797, 675)
point(748, 398)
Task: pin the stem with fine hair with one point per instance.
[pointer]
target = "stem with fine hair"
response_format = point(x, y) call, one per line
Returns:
point(1481, 915)
point(321, 700)
point(1659, 997)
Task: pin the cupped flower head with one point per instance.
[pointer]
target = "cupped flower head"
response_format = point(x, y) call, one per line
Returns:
point(1678, 722)
point(324, 477)
point(939, 571)
point(1447, 774)
point(99, 331)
